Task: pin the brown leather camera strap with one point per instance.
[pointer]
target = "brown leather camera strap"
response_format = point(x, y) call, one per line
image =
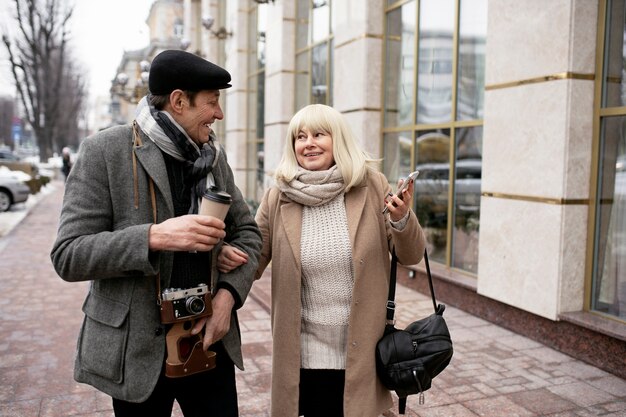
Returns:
point(136, 143)
point(195, 360)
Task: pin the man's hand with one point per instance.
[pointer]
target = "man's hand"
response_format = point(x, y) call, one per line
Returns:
point(187, 233)
point(230, 258)
point(217, 325)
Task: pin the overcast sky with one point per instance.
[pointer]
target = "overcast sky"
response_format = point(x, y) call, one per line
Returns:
point(101, 31)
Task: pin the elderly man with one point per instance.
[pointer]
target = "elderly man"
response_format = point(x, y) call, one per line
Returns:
point(130, 225)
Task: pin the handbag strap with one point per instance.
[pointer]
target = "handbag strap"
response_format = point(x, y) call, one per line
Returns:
point(391, 304)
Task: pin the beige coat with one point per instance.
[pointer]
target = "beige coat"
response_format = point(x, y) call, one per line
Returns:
point(280, 222)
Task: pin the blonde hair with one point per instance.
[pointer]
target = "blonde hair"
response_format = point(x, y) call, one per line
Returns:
point(351, 160)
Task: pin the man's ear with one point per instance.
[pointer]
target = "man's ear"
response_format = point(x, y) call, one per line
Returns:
point(177, 100)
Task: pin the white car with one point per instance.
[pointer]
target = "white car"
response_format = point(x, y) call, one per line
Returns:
point(13, 188)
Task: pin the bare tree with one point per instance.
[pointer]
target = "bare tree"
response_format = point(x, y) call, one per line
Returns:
point(49, 88)
point(73, 103)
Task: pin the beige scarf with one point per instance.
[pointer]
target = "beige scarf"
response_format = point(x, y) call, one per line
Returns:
point(313, 188)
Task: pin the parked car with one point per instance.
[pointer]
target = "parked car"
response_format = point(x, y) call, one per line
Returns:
point(13, 162)
point(8, 156)
point(13, 189)
point(431, 191)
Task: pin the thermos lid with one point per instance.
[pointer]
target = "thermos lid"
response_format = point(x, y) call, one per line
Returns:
point(217, 196)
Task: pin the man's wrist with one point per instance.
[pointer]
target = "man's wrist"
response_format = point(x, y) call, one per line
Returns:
point(154, 241)
point(225, 295)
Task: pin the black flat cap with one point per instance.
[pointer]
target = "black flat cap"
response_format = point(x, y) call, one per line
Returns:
point(175, 69)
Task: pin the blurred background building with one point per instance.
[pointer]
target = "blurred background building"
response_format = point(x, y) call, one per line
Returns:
point(513, 112)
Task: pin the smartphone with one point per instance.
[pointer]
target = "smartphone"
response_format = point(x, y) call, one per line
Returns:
point(405, 184)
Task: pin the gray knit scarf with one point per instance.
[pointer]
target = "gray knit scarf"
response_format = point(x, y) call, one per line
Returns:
point(313, 188)
point(172, 139)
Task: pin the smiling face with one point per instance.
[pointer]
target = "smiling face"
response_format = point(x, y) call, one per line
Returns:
point(197, 117)
point(314, 150)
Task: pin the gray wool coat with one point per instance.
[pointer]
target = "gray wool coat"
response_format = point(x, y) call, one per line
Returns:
point(103, 238)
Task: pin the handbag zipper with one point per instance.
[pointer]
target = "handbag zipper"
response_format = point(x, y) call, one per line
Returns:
point(428, 339)
point(421, 396)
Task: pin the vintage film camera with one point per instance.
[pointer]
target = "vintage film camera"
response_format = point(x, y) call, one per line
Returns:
point(181, 307)
point(178, 305)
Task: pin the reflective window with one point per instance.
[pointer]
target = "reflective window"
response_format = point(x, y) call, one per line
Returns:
point(608, 289)
point(434, 79)
point(467, 177)
point(609, 278)
point(313, 53)
point(319, 71)
point(614, 80)
point(400, 62)
point(433, 120)
point(471, 72)
point(320, 20)
point(432, 156)
point(397, 161)
point(609, 285)
point(256, 103)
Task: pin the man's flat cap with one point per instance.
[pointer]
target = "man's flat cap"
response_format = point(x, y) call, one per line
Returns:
point(175, 69)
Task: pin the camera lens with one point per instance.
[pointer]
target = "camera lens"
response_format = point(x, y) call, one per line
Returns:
point(194, 304)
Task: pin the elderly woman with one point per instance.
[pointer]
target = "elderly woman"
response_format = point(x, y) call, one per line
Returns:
point(324, 227)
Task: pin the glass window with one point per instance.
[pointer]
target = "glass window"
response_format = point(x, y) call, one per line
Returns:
point(609, 285)
point(320, 21)
point(256, 103)
point(614, 80)
point(608, 289)
point(434, 81)
point(313, 53)
point(319, 82)
point(397, 161)
point(440, 117)
point(471, 71)
point(432, 156)
point(399, 86)
point(467, 183)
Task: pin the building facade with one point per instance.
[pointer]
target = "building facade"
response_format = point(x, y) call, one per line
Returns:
point(130, 83)
point(513, 113)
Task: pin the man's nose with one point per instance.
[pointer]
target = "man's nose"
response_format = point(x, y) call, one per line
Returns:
point(219, 114)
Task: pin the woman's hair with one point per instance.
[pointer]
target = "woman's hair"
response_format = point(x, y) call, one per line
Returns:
point(353, 162)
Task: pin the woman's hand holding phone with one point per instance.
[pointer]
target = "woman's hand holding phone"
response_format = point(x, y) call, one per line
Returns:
point(395, 203)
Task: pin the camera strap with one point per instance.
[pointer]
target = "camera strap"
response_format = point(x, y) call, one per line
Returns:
point(136, 143)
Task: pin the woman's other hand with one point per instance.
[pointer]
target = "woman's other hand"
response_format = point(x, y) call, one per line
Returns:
point(230, 258)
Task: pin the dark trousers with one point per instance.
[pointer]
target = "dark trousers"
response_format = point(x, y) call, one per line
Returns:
point(207, 394)
point(321, 392)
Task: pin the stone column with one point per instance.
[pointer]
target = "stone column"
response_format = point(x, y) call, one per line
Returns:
point(279, 80)
point(537, 144)
point(235, 101)
point(358, 60)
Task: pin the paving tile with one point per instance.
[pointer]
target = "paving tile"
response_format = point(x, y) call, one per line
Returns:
point(497, 407)
point(68, 405)
point(582, 394)
point(456, 410)
point(611, 384)
point(542, 401)
point(20, 408)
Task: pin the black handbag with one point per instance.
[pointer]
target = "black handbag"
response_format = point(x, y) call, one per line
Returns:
point(407, 360)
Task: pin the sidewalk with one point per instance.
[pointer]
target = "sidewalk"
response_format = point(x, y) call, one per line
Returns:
point(494, 372)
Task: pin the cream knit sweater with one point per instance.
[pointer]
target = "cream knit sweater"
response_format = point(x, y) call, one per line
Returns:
point(327, 282)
